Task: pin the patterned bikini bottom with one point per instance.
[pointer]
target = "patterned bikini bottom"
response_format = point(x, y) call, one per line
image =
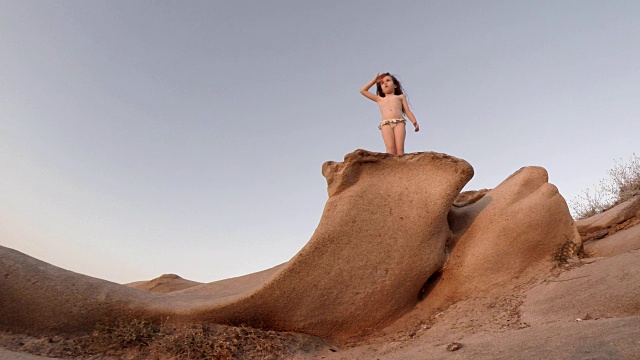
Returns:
point(391, 122)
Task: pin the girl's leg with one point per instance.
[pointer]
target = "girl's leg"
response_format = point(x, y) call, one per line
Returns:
point(400, 133)
point(389, 139)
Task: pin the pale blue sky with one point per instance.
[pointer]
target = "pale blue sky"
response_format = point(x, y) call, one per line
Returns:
point(141, 138)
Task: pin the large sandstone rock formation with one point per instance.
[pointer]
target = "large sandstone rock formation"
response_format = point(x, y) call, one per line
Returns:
point(519, 224)
point(507, 237)
point(382, 234)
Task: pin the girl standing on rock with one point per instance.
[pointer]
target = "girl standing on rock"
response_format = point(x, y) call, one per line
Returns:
point(393, 106)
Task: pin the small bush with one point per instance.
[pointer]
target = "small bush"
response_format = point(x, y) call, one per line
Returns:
point(197, 342)
point(226, 342)
point(622, 185)
point(109, 339)
point(569, 250)
point(141, 339)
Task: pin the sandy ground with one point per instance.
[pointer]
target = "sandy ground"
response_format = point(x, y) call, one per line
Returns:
point(588, 310)
point(13, 355)
point(588, 339)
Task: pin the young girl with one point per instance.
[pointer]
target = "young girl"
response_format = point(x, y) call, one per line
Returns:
point(393, 106)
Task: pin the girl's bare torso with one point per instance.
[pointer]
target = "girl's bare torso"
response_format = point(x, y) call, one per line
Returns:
point(391, 107)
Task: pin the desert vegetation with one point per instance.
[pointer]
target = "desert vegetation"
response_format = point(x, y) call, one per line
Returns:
point(622, 184)
point(142, 339)
point(569, 250)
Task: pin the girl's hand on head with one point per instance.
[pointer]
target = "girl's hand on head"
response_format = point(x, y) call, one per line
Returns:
point(379, 77)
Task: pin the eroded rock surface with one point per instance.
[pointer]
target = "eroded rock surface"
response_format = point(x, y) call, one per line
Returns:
point(620, 242)
point(613, 232)
point(382, 233)
point(606, 287)
point(469, 197)
point(618, 218)
point(507, 234)
point(520, 223)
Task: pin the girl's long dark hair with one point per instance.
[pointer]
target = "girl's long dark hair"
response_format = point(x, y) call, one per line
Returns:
point(398, 90)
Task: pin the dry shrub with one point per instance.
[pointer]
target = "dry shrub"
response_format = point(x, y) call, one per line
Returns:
point(623, 184)
point(196, 342)
point(142, 339)
point(625, 180)
point(226, 342)
point(569, 250)
point(134, 335)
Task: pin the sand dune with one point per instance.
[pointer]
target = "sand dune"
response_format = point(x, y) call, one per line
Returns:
point(163, 284)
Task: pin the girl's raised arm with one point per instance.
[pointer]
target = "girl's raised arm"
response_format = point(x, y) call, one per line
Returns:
point(365, 89)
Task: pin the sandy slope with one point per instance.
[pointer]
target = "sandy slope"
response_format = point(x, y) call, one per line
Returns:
point(588, 311)
point(594, 339)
